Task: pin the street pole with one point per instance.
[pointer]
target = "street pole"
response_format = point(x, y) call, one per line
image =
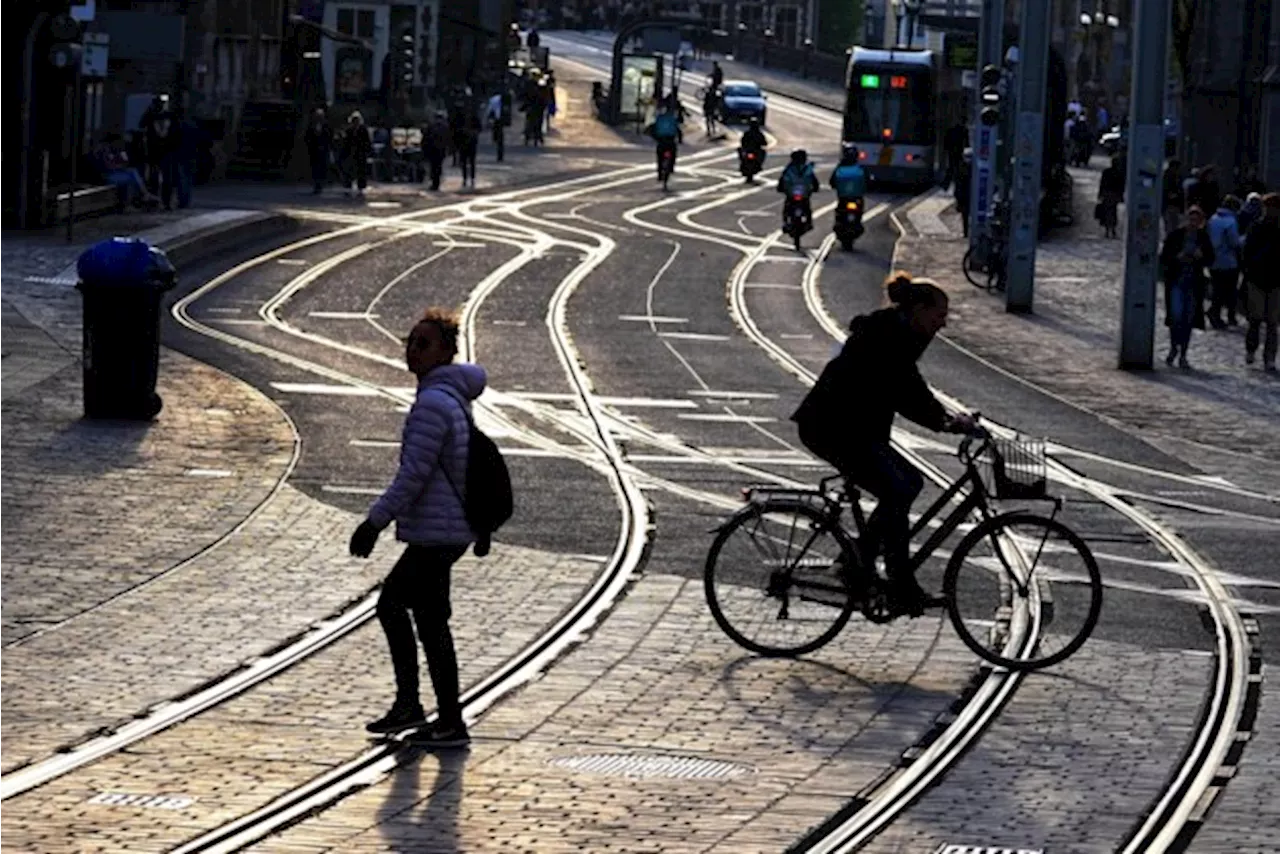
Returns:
point(1028, 145)
point(1142, 193)
point(990, 50)
point(75, 149)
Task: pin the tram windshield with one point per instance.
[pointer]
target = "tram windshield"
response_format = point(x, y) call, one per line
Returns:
point(888, 104)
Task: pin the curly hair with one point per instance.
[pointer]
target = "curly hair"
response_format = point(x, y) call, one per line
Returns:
point(446, 322)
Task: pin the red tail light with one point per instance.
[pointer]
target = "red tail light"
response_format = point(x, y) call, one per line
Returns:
point(797, 197)
point(750, 156)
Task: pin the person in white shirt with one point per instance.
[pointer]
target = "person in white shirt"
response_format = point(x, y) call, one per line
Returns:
point(493, 115)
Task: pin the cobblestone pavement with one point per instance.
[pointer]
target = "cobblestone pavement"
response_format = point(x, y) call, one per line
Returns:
point(663, 681)
point(262, 743)
point(1069, 345)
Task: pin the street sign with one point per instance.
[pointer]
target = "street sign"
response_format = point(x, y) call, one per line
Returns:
point(84, 10)
point(93, 61)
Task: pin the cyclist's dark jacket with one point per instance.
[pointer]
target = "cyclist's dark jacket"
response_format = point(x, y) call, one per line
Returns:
point(874, 377)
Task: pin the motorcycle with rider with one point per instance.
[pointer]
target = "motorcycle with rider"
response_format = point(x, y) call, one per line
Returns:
point(849, 180)
point(751, 150)
point(799, 183)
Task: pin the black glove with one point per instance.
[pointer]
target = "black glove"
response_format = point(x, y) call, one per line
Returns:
point(363, 540)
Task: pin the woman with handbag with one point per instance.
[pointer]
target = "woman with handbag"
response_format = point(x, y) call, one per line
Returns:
point(1187, 252)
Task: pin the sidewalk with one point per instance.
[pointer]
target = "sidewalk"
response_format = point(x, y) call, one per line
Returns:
point(1069, 345)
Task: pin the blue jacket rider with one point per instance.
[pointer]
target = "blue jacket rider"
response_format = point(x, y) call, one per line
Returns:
point(849, 180)
point(666, 131)
point(798, 178)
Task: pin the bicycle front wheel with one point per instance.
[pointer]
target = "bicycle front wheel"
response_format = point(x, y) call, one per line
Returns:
point(1023, 591)
point(773, 579)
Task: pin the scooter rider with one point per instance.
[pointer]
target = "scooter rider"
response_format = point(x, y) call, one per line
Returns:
point(798, 180)
point(666, 132)
point(752, 138)
point(849, 180)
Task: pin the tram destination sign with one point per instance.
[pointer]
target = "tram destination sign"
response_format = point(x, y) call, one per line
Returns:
point(960, 50)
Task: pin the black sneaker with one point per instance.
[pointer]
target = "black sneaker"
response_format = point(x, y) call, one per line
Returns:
point(440, 736)
point(401, 717)
point(911, 600)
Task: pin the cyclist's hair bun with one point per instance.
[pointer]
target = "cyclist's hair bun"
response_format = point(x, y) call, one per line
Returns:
point(906, 292)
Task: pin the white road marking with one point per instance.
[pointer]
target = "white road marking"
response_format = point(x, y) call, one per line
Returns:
point(350, 490)
point(460, 245)
point(207, 473)
point(325, 388)
point(644, 402)
point(644, 318)
point(694, 336)
point(740, 419)
point(797, 337)
point(749, 461)
point(736, 395)
point(374, 443)
point(292, 262)
point(341, 315)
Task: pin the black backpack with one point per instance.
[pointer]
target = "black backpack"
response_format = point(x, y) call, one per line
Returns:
point(488, 503)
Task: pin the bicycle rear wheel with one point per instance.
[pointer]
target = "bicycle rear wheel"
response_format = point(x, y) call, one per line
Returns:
point(1023, 591)
point(773, 581)
point(971, 274)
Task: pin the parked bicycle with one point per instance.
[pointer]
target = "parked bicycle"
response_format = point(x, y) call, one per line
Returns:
point(986, 265)
point(1022, 589)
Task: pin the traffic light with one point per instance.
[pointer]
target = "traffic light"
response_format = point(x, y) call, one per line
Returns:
point(403, 58)
point(66, 51)
point(989, 89)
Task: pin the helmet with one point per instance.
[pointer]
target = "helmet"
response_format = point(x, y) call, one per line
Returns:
point(848, 153)
point(799, 156)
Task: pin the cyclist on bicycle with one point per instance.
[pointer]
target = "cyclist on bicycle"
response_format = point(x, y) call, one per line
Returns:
point(845, 420)
point(666, 132)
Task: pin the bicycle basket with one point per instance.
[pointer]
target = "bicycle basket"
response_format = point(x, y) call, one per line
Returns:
point(1016, 469)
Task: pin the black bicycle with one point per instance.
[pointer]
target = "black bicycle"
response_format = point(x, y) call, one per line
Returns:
point(986, 265)
point(1023, 591)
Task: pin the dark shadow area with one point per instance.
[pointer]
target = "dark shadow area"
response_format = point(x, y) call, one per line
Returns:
point(407, 822)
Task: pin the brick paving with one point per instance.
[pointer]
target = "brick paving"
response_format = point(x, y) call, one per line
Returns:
point(306, 720)
point(660, 679)
point(1070, 344)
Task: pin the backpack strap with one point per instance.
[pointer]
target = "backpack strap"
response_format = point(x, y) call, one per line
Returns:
point(470, 423)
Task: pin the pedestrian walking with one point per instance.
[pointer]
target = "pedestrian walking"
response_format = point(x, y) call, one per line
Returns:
point(1262, 283)
point(468, 142)
point(435, 146)
point(1204, 191)
point(1187, 251)
point(1250, 212)
point(710, 105)
point(1110, 195)
point(358, 147)
point(424, 502)
point(162, 154)
point(1173, 201)
point(1224, 272)
point(495, 115)
point(552, 107)
point(319, 139)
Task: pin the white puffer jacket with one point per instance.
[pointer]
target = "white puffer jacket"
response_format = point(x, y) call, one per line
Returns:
point(426, 510)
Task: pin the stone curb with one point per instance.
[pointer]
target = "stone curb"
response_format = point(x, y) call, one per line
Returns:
point(189, 247)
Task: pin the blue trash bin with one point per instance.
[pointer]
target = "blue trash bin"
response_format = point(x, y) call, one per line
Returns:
point(122, 281)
